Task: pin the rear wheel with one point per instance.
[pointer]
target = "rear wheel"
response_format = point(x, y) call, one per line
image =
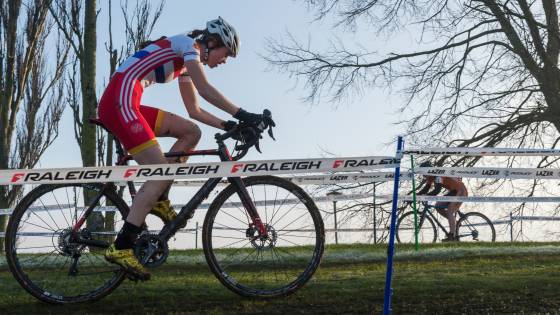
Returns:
point(256, 266)
point(427, 232)
point(45, 256)
point(475, 227)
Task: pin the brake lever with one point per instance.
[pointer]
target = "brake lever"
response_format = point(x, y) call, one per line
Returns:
point(257, 146)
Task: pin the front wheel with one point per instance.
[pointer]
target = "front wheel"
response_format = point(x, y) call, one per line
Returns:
point(255, 266)
point(475, 227)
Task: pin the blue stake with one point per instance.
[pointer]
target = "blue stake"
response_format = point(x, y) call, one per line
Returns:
point(391, 248)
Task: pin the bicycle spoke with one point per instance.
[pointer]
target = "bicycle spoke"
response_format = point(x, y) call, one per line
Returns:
point(255, 264)
point(235, 218)
point(43, 251)
point(61, 212)
point(286, 213)
point(301, 216)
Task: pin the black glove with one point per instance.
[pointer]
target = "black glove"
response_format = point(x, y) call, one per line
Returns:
point(228, 125)
point(245, 116)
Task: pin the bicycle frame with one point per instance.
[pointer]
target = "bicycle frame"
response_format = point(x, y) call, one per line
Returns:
point(428, 212)
point(187, 211)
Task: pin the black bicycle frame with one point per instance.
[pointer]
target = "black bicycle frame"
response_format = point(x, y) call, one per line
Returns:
point(427, 211)
point(187, 211)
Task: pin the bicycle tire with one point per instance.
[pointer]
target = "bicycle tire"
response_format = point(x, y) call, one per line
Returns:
point(41, 277)
point(236, 274)
point(405, 229)
point(475, 225)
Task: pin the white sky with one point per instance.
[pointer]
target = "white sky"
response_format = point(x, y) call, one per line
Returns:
point(357, 127)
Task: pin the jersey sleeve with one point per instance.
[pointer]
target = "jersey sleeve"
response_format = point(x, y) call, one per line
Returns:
point(185, 46)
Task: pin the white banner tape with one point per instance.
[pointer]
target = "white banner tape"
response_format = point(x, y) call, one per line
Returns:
point(484, 151)
point(193, 170)
point(481, 199)
point(336, 178)
point(348, 178)
point(490, 172)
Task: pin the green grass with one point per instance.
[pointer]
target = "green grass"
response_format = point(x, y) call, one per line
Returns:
point(440, 279)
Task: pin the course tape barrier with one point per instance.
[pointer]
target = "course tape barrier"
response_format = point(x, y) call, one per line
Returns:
point(479, 199)
point(193, 170)
point(490, 172)
point(348, 178)
point(484, 152)
point(335, 178)
point(206, 205)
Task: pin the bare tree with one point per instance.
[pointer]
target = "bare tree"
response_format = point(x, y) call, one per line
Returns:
point(30, 89)
point(483, 73)
point(79, 26)
point(140, 21)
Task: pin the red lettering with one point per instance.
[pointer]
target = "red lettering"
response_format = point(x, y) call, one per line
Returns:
point(337, 163)
point(236, 167)
point(16, 177)
point(129, 172)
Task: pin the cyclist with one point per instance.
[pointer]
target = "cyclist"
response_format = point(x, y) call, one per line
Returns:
point(454, 187)
point(177, 57)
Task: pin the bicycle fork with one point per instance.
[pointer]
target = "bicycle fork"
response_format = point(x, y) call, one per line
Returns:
point(249, 205)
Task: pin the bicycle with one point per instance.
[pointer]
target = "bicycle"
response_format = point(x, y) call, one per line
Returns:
point(265, 248)
point(471, 226)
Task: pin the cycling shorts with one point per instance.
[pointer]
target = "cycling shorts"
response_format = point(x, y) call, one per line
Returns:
point(133, 124)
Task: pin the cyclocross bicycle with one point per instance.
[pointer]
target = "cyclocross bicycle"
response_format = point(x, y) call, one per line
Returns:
point(262, 236)
point(471, 227)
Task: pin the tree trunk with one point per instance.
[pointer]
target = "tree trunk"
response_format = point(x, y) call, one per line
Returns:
point(89, 100)
point(7, 102)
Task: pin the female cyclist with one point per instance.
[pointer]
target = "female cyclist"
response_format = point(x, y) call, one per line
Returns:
point(136, 126)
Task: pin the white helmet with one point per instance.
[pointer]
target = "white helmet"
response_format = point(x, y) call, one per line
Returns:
point(226, 32)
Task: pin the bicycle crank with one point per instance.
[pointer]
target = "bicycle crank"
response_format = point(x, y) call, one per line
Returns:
point(151, 250)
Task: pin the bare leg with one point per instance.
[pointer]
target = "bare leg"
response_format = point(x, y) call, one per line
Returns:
point(186, 132)
point(187, 135)
point(151, 190)
point(451, 215)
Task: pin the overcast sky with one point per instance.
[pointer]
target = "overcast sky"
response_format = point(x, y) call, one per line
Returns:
point(356, 127)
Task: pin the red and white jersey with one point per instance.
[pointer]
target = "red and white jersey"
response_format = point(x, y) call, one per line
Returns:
point(159, 62)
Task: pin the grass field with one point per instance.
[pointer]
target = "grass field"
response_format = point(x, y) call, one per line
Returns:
point(440, 279)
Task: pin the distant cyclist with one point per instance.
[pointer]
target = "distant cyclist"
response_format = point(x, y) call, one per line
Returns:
point(136, 126)
point(454, 187)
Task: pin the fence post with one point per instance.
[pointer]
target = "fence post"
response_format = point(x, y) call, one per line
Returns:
point(414, 208)
point(391, 248)
point(511, 227)
point(333, 194)
point(335, 224)
point(196, 236)
point(374, 217)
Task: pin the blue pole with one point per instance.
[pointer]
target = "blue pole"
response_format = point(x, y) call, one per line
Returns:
point(391, 248)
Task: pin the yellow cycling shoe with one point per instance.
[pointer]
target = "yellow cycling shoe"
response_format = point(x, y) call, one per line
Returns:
point(128, 261)
point(164, 211)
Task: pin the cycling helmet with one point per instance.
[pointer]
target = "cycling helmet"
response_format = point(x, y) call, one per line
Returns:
point(226, 32)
